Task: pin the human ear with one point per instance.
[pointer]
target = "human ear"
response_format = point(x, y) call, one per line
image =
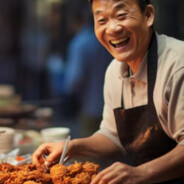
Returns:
point(150, 14)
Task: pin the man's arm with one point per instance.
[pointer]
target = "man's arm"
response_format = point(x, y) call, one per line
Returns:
point(96, 146)
point(167, 167)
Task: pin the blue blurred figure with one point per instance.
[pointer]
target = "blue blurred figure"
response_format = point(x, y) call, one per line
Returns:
point(86, 63)
point(55, 69)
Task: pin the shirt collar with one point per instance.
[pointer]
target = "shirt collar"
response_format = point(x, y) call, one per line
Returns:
point(141, 74)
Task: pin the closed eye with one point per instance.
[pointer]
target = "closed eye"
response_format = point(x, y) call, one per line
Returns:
point(101, 20)
point(122, 15)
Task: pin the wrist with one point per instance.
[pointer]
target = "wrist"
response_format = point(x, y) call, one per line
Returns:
point(146, 174)
point(72, 147)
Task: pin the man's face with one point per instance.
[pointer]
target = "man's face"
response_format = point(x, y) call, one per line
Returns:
point(122, 28)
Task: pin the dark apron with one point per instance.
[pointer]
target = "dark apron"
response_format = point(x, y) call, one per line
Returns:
point(139, 129)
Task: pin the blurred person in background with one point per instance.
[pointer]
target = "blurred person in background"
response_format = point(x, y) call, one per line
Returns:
point(42, 44)
point(34, 46)
point(57, 48)
point(84, 78)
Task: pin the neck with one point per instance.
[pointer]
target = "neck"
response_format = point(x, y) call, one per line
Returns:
point(134, 65)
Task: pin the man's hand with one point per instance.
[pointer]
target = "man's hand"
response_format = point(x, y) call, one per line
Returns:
point(167, 167)
point(120, 173)
point(53, 150)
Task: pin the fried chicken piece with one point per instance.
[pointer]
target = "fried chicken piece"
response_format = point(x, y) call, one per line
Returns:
point(3, 177)
point(31, 182)
point(67, 180)
point(39, 176)
point(27, 167)
point(31, 167)
point(17, 177)
point(90, 168)
point(82, 178)
point(5, 167)
point(42, 168)
point(75, 168)
point(21, 176)
point(74, 174)
point(58, 173)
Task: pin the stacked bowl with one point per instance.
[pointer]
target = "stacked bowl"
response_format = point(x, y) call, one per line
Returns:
point(6, 139)
point(55, 134)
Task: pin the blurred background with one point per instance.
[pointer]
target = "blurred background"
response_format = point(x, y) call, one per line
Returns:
point(52, 67)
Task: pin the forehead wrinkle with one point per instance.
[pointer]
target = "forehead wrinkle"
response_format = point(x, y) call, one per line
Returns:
point(119, 5)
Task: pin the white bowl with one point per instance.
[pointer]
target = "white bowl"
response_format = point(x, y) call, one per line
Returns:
point(55, 134)
point(6, 139)
point(6, 131)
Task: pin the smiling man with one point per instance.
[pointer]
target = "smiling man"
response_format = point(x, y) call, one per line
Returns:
point(123, 29)
point(144, 99)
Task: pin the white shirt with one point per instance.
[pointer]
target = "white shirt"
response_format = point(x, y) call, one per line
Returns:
point(168, 92)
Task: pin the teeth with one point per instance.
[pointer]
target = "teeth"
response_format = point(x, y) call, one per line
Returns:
point(119, 40)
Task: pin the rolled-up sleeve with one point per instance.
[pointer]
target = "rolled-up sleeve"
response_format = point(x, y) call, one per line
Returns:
point(176, 106)
point(108, 125)
point(174, 102)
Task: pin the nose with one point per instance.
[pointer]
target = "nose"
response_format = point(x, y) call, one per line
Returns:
point(113, 27)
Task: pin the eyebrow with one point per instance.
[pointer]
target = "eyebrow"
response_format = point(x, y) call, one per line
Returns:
point(117, 6)
point(97, 12)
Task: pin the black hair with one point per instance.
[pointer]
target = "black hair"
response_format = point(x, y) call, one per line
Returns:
point(142, 3)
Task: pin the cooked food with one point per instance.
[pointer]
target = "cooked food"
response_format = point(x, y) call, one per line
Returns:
point(77, 173)
point(3, 177)
point(82, 178)
point(58, 173)
point(27, 167)
point(90, 168)
point(18, 177)
point(5, 167)
point(31, 182)
point(75, 168)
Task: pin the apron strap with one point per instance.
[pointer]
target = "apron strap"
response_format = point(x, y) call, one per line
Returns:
point(152, 68)
point(122, 100)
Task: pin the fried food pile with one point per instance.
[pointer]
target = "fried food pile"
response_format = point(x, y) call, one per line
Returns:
point(77, 173)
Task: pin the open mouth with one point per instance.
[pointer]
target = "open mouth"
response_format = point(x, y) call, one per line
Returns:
point(119, 42)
